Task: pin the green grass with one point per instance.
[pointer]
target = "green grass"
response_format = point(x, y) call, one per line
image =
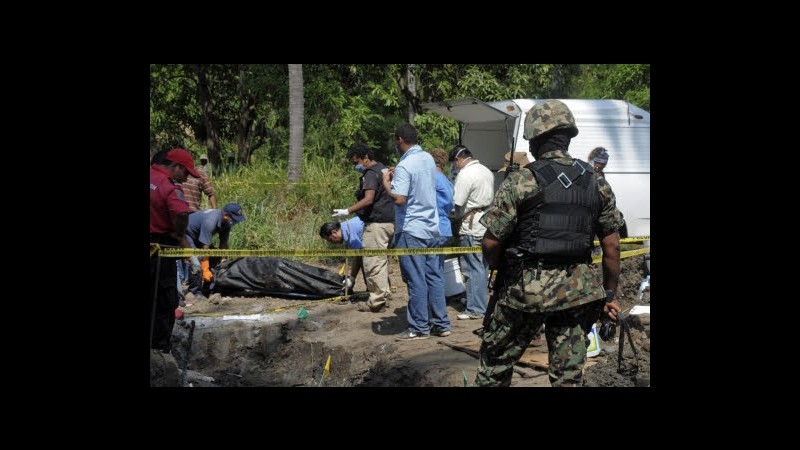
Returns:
point(282, 215)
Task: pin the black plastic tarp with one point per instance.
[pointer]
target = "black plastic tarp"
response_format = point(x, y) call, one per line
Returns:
point(276, 276)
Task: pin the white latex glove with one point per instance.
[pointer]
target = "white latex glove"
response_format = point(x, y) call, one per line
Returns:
point(195, 265)
point(348, 282)
point(340, 213)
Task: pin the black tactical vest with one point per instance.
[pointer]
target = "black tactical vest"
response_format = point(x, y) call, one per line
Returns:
point(555, 226)
point(382, 208)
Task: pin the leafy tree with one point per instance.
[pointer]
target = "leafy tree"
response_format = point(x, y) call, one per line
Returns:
point(220, 106)
point(173, 108)
point(246, 108)
point(630, 82)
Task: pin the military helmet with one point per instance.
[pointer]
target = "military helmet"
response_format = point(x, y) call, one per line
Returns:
point(548, 116)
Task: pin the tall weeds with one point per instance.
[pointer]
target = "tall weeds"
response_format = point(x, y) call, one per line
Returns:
point(282, 215)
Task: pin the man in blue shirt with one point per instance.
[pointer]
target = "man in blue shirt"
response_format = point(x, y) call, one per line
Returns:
point(412, 185)
point(350, 232)
point(202, 226)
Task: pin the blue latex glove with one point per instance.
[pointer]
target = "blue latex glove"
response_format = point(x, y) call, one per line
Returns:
point(340, 213)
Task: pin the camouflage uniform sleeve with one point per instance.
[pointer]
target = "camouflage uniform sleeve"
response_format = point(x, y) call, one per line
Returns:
point(501, 218)
point(610, 219)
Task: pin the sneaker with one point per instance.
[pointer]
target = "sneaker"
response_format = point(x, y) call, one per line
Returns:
point(469, 316)
point(440, 333)
point(411, 336)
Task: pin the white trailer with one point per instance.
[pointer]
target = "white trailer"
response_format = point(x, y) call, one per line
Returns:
point(491, 129)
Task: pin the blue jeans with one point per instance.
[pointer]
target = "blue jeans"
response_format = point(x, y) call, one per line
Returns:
point(441, 242)
point(423, 276)
point(186, 269)
point(179, 264)
point(476, 270)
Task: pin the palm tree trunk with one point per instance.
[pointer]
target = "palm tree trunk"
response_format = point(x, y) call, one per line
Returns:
point(296, 124)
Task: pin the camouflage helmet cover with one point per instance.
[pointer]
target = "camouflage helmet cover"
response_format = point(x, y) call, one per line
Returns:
point(548, 116)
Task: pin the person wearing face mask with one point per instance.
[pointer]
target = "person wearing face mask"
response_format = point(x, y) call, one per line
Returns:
point(376, 210)
point(472, 194)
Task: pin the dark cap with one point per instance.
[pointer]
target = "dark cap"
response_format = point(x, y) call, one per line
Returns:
point(520, 159)
point(235, 211)
point(599, 155)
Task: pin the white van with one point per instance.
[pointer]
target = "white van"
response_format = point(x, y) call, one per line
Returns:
point(491, 129)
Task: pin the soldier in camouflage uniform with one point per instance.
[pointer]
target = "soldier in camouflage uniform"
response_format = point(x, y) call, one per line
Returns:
point(539, 236)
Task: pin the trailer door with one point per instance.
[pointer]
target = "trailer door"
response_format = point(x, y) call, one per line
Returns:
point(487, 131)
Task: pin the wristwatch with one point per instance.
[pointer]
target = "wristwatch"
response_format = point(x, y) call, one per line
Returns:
point(609, 296)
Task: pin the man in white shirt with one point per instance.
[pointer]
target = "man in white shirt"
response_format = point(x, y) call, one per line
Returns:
point(473, 194)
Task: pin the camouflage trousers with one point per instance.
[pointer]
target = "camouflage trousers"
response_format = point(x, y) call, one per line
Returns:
point(510, 331)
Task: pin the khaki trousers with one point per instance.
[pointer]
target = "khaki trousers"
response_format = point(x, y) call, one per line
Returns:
point(376, 268)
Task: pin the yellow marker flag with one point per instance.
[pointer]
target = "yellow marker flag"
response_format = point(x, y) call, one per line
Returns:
point(327, 367)
point(341, 269)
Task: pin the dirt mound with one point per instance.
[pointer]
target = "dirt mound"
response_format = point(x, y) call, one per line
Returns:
point(269, 344)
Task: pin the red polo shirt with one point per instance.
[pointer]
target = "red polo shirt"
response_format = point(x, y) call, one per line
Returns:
point(166, 200)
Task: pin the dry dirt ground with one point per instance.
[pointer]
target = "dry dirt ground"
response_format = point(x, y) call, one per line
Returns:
point(269, 345)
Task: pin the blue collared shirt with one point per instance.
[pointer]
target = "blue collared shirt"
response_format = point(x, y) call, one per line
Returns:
point(352, 230)
point(444, 203)
point(415, 178)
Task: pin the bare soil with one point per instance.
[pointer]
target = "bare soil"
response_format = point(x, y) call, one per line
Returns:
point(284, 348)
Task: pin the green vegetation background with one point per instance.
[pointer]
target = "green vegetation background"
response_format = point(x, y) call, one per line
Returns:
point(242, 111)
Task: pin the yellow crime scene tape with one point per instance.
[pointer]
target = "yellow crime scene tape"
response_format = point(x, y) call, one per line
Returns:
point(627, 240)
point(596, 259)
point(623, 255)
point(183, 252)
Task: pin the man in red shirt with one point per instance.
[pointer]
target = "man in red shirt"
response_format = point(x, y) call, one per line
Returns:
point(169, 214)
